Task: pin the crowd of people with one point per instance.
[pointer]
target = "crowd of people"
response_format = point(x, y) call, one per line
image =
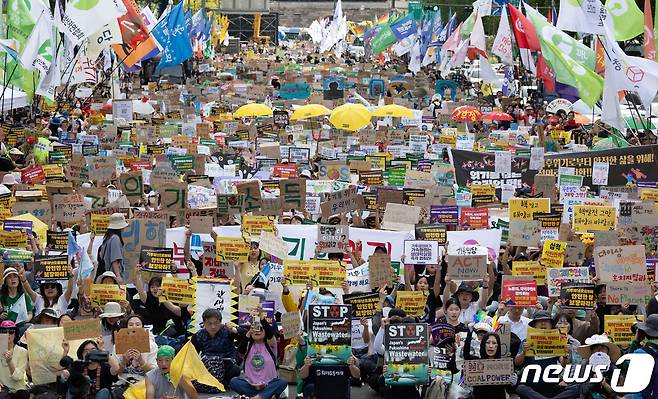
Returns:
point(471, 321)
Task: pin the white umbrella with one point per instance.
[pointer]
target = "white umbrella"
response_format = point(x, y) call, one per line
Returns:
point(143, 107)
point(582, 108)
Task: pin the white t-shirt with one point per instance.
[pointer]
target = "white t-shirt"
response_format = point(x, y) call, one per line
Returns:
point(61, 306)
point(357, 334)
point(520, 328)
point(466, 315)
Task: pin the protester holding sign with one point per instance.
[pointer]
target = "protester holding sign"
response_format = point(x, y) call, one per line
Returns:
point(110, 253)
point(51, 294)
point(13, 359)
point(16, 303)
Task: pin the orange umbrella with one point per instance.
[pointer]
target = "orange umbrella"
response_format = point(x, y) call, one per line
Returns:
point(465, 113)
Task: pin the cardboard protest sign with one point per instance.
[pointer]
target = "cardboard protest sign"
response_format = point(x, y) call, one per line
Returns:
point(251, 195)
point(504, 331)
point(82, 329)
point(40, 209)
point(58, 241)
point(588, 218)
point(173, 196)
point(519, 292)
point(623, 292)
point(412, 302)
point(292, 193)
point(467, 262)
point(488, 372)
point(334, 170)
point(51, 268)
point(299, 273)
point(556, 277)
point(132, 185)
point(103, 293)
point(577, 296)
point(232, 249)
point(132, 338)
point(291, 323)
point(421, 252)
point(156, 260)
point(99, 223)
point(406, 353)
point(68, 208)
point(380, 272)
point(177, 290)
point(621, 263)
point(230, 204)
point(273, 245)
point(431, 232)
point(401, 217)
point(524, 232)
point(546, 342)
point(341, 201)
point(43, 354)
point(363, 304)
point(553, 253)
point(618, 327)
point(333, 238)
point(330, 333)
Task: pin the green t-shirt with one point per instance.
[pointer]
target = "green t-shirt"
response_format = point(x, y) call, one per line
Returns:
point(8, 302)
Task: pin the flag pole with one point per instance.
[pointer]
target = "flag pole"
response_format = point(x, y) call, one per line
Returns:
point(97, 85)
point(4, 74)
point(2, 96)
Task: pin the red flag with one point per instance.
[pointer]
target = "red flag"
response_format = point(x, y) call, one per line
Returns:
point(545, 73)
point(137, 41)
point(524, 31)
point(649, 42)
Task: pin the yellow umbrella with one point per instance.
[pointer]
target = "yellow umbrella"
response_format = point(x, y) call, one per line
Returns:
point(394, 110)
point(350, 117)
point(253, 109)
point(309, 111)
point(39, 227)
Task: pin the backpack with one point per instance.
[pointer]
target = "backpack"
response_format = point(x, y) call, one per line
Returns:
point(288, 366)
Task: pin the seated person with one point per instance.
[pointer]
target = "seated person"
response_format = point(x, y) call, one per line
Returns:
point(216, 346)
point(96, 377)
point(158, 382)
point(260, 379)
point(309, 373)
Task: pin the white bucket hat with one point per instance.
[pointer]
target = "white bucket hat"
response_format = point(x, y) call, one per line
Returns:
point(117, 221)
point(111, 309)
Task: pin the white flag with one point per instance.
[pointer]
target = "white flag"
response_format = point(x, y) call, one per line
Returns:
point(629, 73)
point(610, 109)
point(83, 17)
point(478, 39)
point(108, 35)
point(50, 82)
point(502, 45)
point(39, 49)
point(414, 57)
point(487, 73)
point(583, 16)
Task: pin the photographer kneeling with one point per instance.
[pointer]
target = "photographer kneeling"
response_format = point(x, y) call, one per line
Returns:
point(92, 375)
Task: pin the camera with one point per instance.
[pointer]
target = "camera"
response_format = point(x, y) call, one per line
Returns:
point(77, 385)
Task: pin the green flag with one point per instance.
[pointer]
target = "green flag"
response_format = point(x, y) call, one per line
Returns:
point(627, 17)
point(21, 18)
point(570, 72)
point(383, 40)
point(467, 26)
point(568, 45)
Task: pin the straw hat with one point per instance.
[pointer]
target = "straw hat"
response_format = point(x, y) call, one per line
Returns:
point(117, 221)
point(586, 350)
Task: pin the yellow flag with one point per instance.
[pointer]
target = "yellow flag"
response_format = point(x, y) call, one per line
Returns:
point(188, 363)
point(136, 391)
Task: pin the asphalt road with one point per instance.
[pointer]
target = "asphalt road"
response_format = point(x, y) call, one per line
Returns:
point(357, 393)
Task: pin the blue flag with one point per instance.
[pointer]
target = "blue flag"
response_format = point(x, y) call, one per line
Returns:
point(404, 27)
point(172, 35)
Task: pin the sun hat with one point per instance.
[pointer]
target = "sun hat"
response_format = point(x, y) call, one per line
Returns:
point(107, 274)
point(15, 151)
point(9, 180)
point(586, 350)
point(541, 315)
point(111, 309)
point(8, 272)
point(463, 287)
point(117, 221)
point(49, 312)
point(649, 326)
